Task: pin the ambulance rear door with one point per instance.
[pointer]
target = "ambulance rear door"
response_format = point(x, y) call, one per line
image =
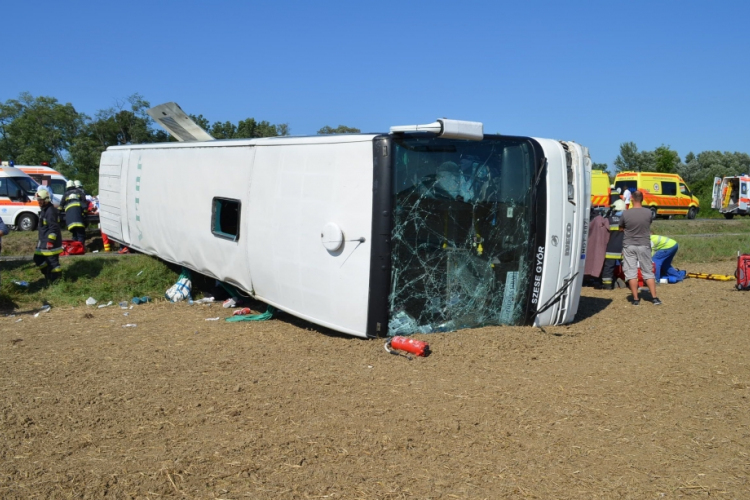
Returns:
point(716, 195)
point(744, 198)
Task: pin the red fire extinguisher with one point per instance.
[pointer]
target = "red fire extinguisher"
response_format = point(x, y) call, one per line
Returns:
point(412, 346)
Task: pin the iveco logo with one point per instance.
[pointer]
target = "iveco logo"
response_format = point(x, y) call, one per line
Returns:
point(568, 235)
point(555, 241)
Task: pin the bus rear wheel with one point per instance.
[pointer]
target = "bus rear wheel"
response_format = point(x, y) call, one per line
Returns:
point(653, 213)
point(692, 212)
point(729, 216)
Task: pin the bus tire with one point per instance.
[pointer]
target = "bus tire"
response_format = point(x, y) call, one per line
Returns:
point(692, 212)
point(729, 216)
point(26, 222)
point(653, 212)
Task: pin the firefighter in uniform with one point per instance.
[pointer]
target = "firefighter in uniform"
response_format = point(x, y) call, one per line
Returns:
point(49, 246)
point(72, 204)
point(614, 246)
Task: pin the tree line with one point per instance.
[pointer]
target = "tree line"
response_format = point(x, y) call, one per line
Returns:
point(41, 129)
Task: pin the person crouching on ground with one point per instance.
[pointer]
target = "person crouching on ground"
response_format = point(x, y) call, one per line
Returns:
point(663, 250)
point(49, 246)
point(636, 248)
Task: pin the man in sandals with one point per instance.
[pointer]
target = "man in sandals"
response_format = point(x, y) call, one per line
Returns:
point(636, 248)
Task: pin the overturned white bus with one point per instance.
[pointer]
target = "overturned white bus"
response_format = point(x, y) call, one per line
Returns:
point(422, 229)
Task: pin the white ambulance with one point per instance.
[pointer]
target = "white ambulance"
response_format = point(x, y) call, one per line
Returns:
point(18, 207)
point(46, 176)
point(731, 195)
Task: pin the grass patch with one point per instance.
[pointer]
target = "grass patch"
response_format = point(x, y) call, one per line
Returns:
point(678, 227)
point(710, 249)
point(104, 278)
point(24, 242)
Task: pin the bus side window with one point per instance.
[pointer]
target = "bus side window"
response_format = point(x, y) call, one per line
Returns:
point(684, 190)
point(669, 188)
point(4, 187)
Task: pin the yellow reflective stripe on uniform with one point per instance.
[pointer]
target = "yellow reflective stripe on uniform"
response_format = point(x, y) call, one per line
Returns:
point(74, 225)
point(47, 253)
point(56, 270)
point(52, 236)
point(71, 205)
point(612, 255)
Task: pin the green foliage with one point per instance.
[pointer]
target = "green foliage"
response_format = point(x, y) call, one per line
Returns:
point(665, 160)
point(37, 129)
point(245, 129)
point(632, 160)
point(341, 129)
point(662, 159)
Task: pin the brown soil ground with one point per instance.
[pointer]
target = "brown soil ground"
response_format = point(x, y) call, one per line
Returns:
point(628, 402)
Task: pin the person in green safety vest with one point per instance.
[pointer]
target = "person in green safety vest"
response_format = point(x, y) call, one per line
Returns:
point(663, 250)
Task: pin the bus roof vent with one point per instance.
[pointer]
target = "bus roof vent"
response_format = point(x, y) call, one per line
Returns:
point(450, 129)
point(177, 123)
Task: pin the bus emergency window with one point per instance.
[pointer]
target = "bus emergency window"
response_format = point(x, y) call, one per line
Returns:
point(669, 188)
point(225, 218)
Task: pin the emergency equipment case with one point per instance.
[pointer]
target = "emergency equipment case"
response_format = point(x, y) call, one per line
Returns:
point(743, 272)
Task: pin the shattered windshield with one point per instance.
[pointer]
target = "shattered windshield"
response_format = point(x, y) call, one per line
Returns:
point(461, 236)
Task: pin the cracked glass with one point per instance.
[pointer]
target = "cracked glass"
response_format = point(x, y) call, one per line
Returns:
point(461, 236)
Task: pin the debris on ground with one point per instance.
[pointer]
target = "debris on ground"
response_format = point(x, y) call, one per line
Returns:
point(412, 346)
point(253, 317)
point(180, 290)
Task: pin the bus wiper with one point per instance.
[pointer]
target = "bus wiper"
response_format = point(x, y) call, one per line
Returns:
point(556, 296)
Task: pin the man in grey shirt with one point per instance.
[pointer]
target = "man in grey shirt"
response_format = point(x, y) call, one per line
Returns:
point(636, 248)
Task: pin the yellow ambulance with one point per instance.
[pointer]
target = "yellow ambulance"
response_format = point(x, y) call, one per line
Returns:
point(599, 189)
point(664, 194)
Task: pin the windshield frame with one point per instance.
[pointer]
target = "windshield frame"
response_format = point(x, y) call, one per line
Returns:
point(28, 180)
point(384, 161)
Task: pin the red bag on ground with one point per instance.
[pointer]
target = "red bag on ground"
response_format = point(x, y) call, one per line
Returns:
point(72, 247)
point(619, 273)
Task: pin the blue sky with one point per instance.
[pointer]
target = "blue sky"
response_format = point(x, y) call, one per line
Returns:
point(599, 73)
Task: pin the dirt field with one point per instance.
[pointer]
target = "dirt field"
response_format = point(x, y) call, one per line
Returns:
point(628, 402)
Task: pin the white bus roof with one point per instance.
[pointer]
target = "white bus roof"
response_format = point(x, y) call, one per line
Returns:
point(263, 141)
